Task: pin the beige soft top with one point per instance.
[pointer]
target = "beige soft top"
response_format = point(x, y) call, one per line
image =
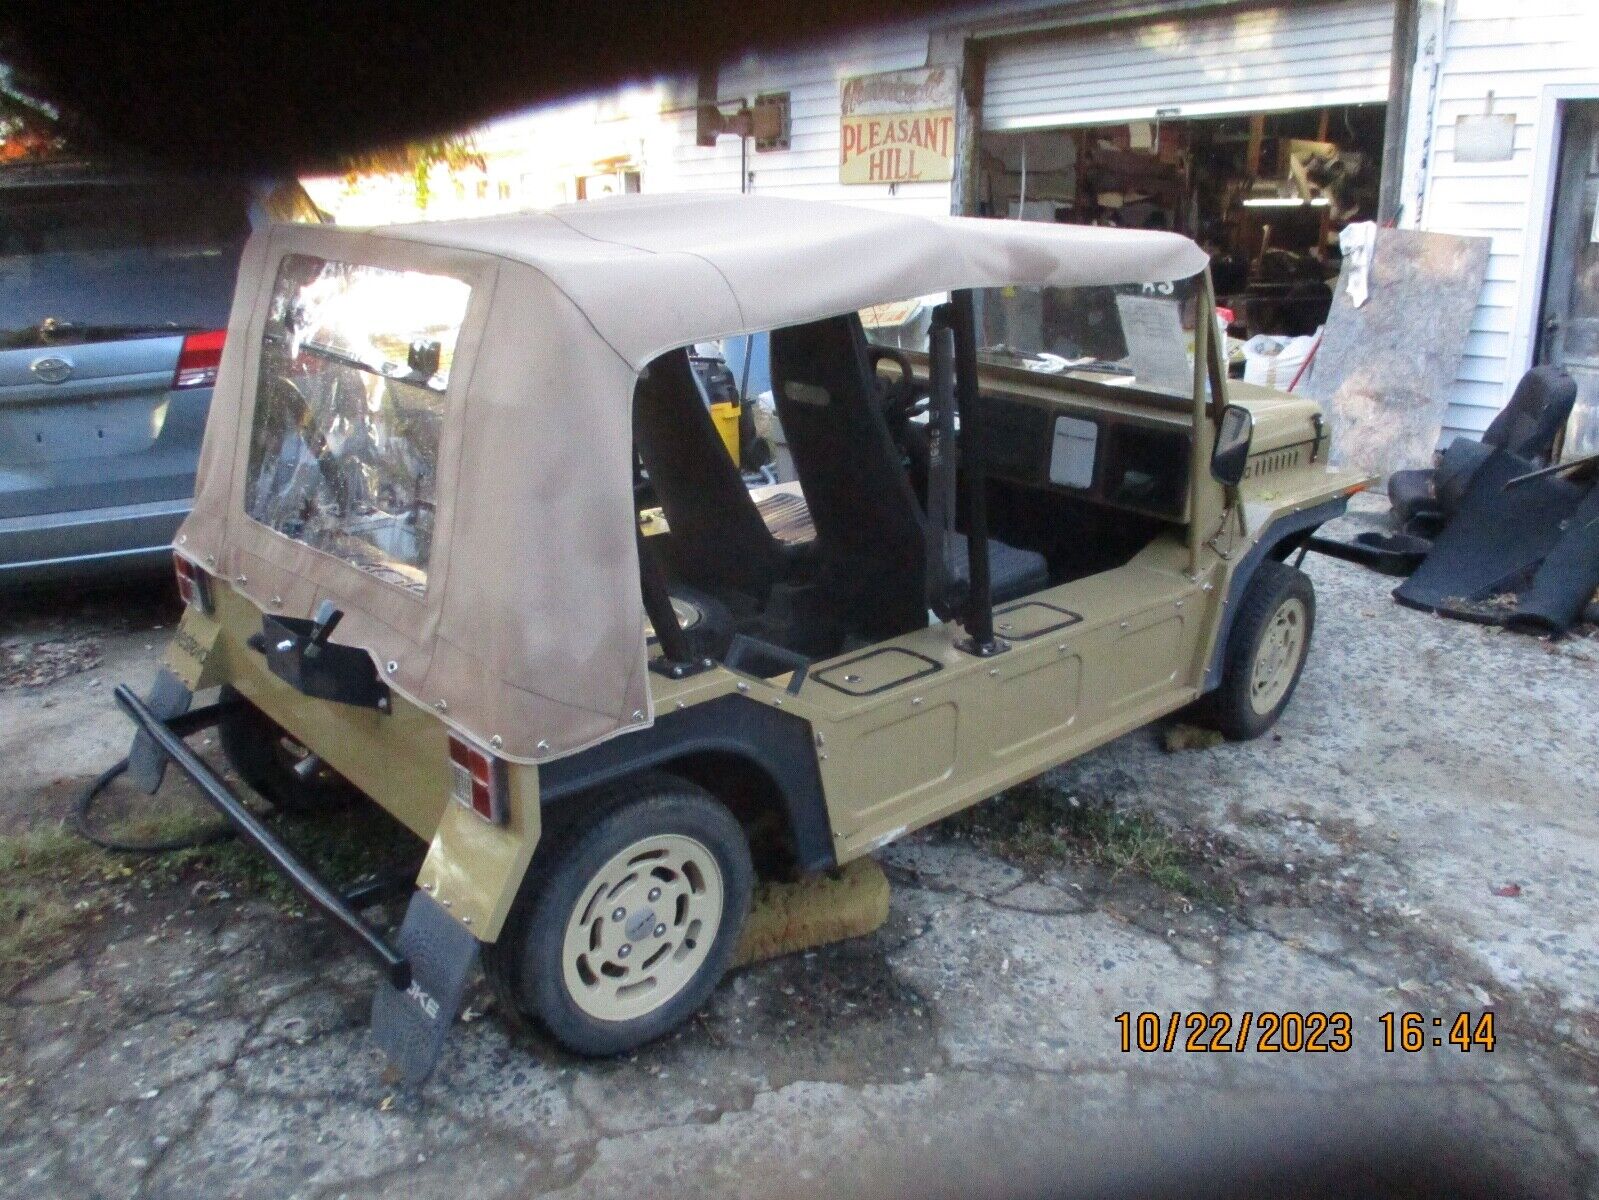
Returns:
point(530, 635)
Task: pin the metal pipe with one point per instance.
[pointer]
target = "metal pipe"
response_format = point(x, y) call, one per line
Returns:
point(252, 830)
point(979, 602)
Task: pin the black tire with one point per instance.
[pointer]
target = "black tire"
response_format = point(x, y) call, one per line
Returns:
point(264, 756)
point(1236, 708)
point(527, 965)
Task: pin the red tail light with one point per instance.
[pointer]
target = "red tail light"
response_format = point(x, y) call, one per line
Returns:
point(194, 585)
point(477, 780)
point(197, 361)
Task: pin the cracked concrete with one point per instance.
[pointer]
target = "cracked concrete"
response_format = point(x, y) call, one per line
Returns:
point(219, 1049)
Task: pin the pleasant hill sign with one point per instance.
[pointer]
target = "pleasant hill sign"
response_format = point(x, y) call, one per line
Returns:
point(899, 127)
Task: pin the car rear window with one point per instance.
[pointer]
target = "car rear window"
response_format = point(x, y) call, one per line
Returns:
point(102, 261)
point(349, 408)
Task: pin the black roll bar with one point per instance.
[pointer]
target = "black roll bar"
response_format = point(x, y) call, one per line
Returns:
point(980, 639)
point(658, 606)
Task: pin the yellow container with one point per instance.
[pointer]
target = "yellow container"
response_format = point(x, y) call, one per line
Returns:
point(725, 417)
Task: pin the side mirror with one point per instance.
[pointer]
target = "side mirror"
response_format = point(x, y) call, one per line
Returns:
point(1231, 453)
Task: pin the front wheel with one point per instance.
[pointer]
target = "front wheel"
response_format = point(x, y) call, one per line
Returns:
point(629, 917)
point(1266, 652)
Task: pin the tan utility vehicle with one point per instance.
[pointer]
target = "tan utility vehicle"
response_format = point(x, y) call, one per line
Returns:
point(417, 564)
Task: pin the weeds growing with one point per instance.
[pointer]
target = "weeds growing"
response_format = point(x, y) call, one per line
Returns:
point(53, 883)
point(1037, 824)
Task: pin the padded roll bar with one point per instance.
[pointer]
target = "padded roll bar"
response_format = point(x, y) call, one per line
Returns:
point(980, 639)
point(941, 466)
point(658, 607)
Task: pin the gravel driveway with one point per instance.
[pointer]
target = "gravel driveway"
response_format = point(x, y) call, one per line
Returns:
point(1422, 835)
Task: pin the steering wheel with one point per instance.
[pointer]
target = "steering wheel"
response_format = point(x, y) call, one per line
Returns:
point(900, 396)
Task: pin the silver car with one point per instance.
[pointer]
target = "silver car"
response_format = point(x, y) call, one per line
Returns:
point(114, 296)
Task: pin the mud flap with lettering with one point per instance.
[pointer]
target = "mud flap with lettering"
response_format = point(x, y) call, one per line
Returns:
point(147, 763)
point(411, 1024)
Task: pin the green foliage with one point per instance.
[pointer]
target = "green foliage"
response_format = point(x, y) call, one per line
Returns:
point(51, 881)
point(1037, 824)
point(417, 159)
point(53, 884)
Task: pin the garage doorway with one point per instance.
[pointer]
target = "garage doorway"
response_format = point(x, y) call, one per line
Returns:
point(1266, 194)
point(1256, 128)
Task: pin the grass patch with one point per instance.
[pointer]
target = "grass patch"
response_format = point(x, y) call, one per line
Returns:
point(53, 884)
point(1037, 825)
point(340, 846)
point(51, 881)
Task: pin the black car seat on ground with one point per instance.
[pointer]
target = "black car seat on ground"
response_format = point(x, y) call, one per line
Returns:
point(870, 528)
point(1497, 538)
point(1526, 427)
point(1567, 578)
point(718, 541)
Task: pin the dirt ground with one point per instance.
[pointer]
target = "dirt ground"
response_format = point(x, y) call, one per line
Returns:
point(1420, 835)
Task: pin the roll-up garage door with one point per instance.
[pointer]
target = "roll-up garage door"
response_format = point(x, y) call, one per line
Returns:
point(1290, 55)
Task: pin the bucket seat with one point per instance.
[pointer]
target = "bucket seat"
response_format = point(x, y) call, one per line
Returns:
point(871, 532)
point(718, 541)
point(1526, 427)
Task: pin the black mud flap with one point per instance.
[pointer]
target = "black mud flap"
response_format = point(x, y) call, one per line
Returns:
point(411, 1024)
point(147, 762)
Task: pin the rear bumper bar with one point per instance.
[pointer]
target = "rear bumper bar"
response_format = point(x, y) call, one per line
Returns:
point(168, 738)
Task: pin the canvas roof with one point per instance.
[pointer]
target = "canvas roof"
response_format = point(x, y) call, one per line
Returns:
point(656, 272)
point(530, 635)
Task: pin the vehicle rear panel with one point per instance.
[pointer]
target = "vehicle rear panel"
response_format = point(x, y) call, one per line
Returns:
point(101, 279)
point(400, 759)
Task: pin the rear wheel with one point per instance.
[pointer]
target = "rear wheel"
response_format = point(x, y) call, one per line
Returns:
point(274, 763)
point(629, 917)
point(1266, 652)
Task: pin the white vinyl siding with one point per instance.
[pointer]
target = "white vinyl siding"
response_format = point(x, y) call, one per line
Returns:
point(809, 168)
point(1515, 51)
point(1299, 55)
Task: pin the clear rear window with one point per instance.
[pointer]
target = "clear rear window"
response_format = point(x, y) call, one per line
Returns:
point(90, 262)
point(349, 410)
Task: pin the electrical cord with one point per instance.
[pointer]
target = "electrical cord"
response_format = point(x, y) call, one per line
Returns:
point(82, 827)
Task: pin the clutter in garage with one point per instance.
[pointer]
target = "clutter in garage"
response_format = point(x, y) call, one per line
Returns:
point(1267, 194)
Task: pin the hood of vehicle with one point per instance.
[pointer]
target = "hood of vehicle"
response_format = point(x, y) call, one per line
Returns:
point(1280, 419)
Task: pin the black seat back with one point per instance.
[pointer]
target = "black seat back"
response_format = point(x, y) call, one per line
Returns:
point(870, 531)
point(718, 540)
point(1537, 412)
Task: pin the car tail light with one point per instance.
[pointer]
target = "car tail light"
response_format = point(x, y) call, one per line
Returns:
point(477, 780)
point(194, 585)
point(197, 361)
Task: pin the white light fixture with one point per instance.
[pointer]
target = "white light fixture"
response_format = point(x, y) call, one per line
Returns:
point(1284, 202)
